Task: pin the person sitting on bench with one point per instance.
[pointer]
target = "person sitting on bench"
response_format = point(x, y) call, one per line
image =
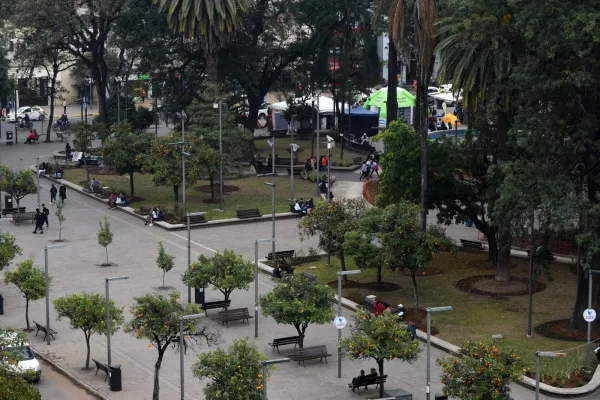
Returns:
point(277, 272)
point(160, 214)
point(359, 378)
point(68, 152)
point(31, 137)
point(297, 208)
point(112, 201)
point(121, 199)
point(93, 185)
point(59, 173)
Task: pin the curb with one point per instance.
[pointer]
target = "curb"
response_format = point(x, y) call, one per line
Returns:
point(70, 376)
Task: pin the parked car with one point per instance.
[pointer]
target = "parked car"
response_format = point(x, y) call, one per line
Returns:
point(27, 364)
point(35, 114)
point(262, 111)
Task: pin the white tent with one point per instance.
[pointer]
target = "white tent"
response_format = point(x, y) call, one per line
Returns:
point(326, 105)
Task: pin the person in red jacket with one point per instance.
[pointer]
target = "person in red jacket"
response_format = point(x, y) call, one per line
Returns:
point(378, 309)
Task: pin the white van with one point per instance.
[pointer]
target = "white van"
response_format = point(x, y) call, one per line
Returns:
point(27, 364)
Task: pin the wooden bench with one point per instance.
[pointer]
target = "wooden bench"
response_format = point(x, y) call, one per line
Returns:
point(310, 353)
point(91, 162)
point(195, 218)
point(297, 171)
point(43, 328)
point(22, 217)
point(235, 314)
point(283, 254)
point(101, 366)
point(12, 210)
point(366, 381)
point(143, 211)
point(310, 277)
point(472, 244)
point(214, 304)
point(295, 340)
point(265, 169)
point(250, 213)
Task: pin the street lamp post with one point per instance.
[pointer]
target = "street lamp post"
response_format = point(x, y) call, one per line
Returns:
point(591, 273)
point(48, 286)
point(37, 168)
point(530, 311)
point(220, 107)
point(256, 242)
point(294, 148)
point(539, 354)
point(181, 349)
point(330, 145)
point(264, 365)
point(318, 163)
point(339, 277)
point(272, 185)
point(429, 311)
point(106, 285)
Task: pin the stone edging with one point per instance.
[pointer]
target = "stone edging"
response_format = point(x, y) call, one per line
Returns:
point(166, 225)
point(527, 382)
point(70, 376)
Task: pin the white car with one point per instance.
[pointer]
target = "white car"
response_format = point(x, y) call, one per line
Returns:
point(432, 90)
point(262, 112)
point(35, 114)
point(27, 364)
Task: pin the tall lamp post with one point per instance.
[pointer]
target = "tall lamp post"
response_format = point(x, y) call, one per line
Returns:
point(272, 185)
point(219, 105)
point(294, 148)
point(182, 143)
point(429, 311)
point(318, 163)
point(106, 285)
point(181, 349)
point(46, 248)
point(330, 145)
point(539, 354)
point(264, 365)
point(256, 242)
point(591, 273)
point(339, 277)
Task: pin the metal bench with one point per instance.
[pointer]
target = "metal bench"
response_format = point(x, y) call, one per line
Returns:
point(101, 366)
point(196, 218)
point(283, 254)
point(472, 244)
point(143, 211)
point(22, 217)
point(366, 381)
point(310, 353)
point(234, 314)
point(44, 328)
point(13, 210)
point(250, 213)
point(215, 304)
point(295, 340)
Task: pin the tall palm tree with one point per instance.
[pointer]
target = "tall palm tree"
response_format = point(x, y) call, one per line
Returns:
point(479, 49)
point(211, 21)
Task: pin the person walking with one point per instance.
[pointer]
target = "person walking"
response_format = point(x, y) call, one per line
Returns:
point(39, 221)
point(363, 171)
point(374, 169)
point(62, 192)
point(53, 191)
point(45, 213)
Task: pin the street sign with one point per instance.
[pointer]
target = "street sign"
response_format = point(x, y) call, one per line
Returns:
point(589, 315)
point(340, 322)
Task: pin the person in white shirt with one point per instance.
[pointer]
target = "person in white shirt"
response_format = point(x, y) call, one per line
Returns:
point(297, 208)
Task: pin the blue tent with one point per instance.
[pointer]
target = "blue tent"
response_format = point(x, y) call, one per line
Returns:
point(359, 120)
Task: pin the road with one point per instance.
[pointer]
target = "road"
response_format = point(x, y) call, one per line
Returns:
point(55, 386)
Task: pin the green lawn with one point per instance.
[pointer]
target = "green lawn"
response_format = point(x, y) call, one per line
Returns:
point(477, 316)
point(253, 193)
point(282, 150)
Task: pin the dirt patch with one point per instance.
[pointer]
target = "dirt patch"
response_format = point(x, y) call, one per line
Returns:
point(429, 272)
point(350, 284)
point(101, 171)
point(226, 189)
point(487, 285)
point(559, 330)
point(106, 265)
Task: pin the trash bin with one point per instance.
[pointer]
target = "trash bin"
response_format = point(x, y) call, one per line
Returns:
point(440, 396)
point(1, 304)
point(114, 373)
point(8, 201)
point(9, 137)
point(199, 295)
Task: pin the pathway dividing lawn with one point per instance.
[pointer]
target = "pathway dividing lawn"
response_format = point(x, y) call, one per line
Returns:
point(282, 150)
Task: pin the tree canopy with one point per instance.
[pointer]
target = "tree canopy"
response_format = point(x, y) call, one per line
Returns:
point(30, 281)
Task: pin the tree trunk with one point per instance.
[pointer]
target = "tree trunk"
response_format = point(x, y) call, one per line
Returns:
point(27, 312)
point(106, 248)
point(503, 265)
point(52, 100)
point(379, 269)
point(381, 389)
point(392, 96)
point(253, 107)
point(212, 64)
point(301, 332)
point(413, 280)
point(421, 128)
point(212, 188)
point(87, 344)
point(581, 301)
point(164, 273)
point(176, 199)
point(226, 293)
point(87, 171)
point(131, 188)
point(490, 234)
point(156, 391)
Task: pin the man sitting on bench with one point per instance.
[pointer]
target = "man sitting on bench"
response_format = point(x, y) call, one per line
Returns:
point(31, 137)
point(93, 185)
point(59, 173)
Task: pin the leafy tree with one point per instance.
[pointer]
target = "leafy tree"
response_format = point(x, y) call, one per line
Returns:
point(17, 183)
point(5, 86)
point(483, 372)
point(30, 281)
point(60, 217)
point(300, 302)
point(164, 261)
point(234, 373)
point(360, 245)
point(84, 134)
point(13, 385)
point(225, 271)
point(105, 236)
point(331, 220)
point(156, 318)
point(382, 338)
point(87, 311)
point(127, 151)
point(8, 250)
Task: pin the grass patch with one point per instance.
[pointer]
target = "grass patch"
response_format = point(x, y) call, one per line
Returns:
point(477, 317)
point(282, 150)
point(253, 193)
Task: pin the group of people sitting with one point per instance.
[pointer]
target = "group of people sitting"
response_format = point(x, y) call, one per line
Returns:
point(303, 207)
point(116, 200)
point(155, 215)
point(363, 379)
point(32, 137)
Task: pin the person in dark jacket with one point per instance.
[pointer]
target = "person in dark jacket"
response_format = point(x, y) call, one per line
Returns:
point(39, 221)
point(45, 213)
point(62, 192)
point(53, 191)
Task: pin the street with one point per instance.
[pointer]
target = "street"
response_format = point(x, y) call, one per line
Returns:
point(55, 386)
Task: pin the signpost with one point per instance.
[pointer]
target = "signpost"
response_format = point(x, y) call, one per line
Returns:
point(589, 315)
point(340, 322)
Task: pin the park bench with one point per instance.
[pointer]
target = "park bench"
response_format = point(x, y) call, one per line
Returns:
point(215, 304)
point(143, 210)
point(297, 171)
point(104, 193)
point(235, 314)
point(101, 366)
point(12, 210)
point(250, 213)
point(91, 162)
point(47, 331)
point(196, 218)
point(295, 340)
point(22, 217)
point(35, 139)
point(366, 381)
point(549, 256)
point(310, 277)
point(472, 244)
point(283, 254)
point(310, 353)
point(265, 169)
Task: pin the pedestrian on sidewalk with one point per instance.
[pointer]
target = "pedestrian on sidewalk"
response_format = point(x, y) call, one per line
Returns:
point(64, 106)
point(374, 169)
point(62, 192)
point(363, 171)
point(45, 213)
point(53, 191)
point(39, 221)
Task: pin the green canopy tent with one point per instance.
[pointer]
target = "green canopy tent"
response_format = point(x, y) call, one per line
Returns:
point(379, 99)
